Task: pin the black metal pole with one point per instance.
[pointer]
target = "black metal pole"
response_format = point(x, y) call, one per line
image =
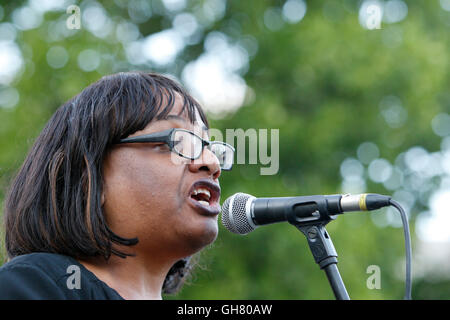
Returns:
point(337, 285)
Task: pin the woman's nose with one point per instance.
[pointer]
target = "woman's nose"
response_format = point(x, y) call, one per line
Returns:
point(208, 162)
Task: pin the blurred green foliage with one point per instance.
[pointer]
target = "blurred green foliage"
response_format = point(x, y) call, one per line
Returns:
point(319, 81)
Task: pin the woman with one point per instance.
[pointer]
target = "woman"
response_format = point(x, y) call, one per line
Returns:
point(116, 195)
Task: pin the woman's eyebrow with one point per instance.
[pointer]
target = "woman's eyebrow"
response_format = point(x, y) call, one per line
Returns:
point(179, 118)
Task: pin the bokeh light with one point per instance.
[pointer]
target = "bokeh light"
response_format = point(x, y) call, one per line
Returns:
point(89, 60)
point(294, 10)
point(57, 57)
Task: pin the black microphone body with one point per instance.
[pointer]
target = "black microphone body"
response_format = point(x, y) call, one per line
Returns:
point(272, 210)
point(242, 213)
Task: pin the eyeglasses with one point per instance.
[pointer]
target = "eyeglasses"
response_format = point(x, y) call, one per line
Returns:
point(188, 145)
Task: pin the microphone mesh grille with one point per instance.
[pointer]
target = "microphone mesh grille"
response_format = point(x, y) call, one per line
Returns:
point(225, 214)
point(236, 220)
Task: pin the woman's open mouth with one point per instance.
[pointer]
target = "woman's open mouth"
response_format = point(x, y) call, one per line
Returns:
point(204, 196)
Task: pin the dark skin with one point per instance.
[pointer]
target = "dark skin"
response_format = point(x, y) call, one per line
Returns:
point(146, 195)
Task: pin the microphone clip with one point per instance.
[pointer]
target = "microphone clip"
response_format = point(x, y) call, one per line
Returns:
point(321, 246)
point(313, 210)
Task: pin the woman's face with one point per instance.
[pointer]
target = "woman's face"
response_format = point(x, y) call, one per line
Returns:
point(150, 196)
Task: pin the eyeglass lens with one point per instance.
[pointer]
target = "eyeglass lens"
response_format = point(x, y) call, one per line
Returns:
point(191, 146)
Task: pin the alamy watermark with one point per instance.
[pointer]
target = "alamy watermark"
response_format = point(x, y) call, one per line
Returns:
point(74, 20)
point(74, 280)
point(258, 147)
point(374, 280)
point(374, 17)
point(256, 151)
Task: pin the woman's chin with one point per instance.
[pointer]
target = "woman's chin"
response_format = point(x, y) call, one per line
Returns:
point(203, 236)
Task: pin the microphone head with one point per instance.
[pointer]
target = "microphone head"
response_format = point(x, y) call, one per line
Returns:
point(236, 213)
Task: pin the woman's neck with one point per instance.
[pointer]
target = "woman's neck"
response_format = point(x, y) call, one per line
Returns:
point(134, 278)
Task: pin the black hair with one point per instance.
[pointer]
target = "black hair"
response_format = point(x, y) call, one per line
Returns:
point(54, 202)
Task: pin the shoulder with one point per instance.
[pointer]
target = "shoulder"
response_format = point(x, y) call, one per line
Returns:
point(31, 276)
point(49, 276)
point(36, 276)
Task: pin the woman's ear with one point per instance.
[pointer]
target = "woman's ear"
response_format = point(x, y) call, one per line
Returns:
point(103, 199)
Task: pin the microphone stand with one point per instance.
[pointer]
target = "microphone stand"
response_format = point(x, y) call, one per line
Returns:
point(310, 219)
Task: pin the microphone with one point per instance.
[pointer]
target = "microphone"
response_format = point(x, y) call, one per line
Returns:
point(243, 213)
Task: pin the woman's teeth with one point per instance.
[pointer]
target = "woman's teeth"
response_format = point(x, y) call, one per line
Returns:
point(202, 196)
point(203, 191)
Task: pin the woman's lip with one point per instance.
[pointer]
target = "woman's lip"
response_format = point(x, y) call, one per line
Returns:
point(213, 209)
point(212, 186)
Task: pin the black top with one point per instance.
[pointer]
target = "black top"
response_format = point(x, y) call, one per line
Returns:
point(51, 276)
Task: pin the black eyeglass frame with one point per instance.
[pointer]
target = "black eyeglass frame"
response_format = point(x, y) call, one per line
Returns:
point(165, 136)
